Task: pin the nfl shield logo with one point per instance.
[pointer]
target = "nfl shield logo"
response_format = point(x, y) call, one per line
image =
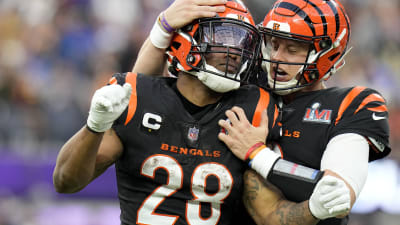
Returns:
point(193, 133)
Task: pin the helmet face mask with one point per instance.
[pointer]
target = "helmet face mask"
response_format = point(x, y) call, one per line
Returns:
point(221, 51)
point(234, 45)
point(323, 25)
point(295, 62)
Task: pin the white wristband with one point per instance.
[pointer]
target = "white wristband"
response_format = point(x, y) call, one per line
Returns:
point(264, 160)
point(160, 38)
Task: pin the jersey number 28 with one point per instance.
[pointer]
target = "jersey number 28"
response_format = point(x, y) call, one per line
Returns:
point(146, 212)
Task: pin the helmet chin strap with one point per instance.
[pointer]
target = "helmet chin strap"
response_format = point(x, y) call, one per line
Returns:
point(281, 85)
point(218, 83)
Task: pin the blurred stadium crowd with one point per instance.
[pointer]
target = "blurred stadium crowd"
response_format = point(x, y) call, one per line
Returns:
point(55, 53)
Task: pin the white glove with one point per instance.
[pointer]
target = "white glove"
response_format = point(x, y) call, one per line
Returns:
point(330, 198)
point(107, 105)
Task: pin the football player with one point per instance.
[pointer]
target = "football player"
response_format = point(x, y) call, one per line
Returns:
point(337, 130)
point(314, 36)
point(162, 132)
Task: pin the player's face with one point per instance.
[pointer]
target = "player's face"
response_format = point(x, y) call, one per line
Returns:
point(229, 45)
point(224, 62)
point(288, 51)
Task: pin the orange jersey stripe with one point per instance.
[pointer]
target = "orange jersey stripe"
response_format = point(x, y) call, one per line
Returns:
point(131, 78)
point(276, 114)
point(381, 108)
point(262, 104)
point(347, 101)
point(370, 98)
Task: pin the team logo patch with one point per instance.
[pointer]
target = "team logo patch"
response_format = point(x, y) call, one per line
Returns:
point(314, 114)
point(193, 133)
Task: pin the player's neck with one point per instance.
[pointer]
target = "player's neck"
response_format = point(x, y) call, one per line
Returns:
point(195, 91)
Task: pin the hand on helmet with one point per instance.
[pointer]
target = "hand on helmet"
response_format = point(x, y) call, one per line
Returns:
point(188, 10)
point(107, 105)
point(330, 198)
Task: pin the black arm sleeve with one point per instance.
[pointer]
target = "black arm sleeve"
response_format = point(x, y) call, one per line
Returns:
point(296, 181)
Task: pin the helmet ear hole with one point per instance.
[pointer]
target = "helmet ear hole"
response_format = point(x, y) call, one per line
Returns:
point(190, 59)
point(325, 44)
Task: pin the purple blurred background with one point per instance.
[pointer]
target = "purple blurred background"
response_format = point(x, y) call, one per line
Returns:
point(55, 53)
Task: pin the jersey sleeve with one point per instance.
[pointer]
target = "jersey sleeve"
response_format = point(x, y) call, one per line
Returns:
point(363, 111)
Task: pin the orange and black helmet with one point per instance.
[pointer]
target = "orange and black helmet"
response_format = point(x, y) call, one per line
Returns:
point(232, 32)
point(323, 24)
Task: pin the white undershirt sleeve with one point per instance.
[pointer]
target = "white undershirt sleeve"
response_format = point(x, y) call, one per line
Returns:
point(347, 155)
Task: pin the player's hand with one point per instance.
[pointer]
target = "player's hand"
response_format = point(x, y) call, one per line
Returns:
point(240, 135)
point(330, 198)
point(107, 105)
point(188, 10)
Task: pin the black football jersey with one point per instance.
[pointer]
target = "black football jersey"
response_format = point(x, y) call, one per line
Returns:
point(173, 169)
point(313, 118)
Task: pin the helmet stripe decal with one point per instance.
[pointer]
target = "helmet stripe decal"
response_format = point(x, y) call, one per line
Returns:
point(348, 25)
point(322, 16)
point(297, 10)
point(336, 17)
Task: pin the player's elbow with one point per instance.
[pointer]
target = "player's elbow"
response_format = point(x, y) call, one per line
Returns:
point(64, 183)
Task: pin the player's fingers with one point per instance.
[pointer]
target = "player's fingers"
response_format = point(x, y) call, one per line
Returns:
point(104, 104)
point(230, 129)
point(240, 114)
point(225, 124)
point(196, 12)
point(205, 11)
point(334, 193)
point(210, 2)
point(232, 117)
point(225, 138)
point(128, 88)
point(327, 181)
point(208, 8)
point(326, 189)
point(128, 91)
point(342, 199)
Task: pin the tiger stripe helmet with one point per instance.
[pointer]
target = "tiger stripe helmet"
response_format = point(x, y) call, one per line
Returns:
point(322, 23)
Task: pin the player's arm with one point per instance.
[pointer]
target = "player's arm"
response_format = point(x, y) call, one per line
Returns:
point(267, 205)
point(152, 58)
point(322, 204)
point(95, 147)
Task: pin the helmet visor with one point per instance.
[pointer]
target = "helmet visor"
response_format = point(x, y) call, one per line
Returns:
point(231, 46)
point(230, 35)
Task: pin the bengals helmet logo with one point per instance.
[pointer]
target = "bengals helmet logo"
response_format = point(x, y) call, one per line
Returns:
point(238, 17)
point(276, 26)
